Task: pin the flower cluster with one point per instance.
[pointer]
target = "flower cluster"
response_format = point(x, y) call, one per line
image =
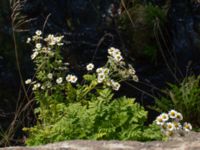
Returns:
point(50, 67)
point(51, 70)
point(170, 123)
point(54, 40)
point(104, 76)
point(115, 54)
point(71, 78)
point(114, 71)
point(117, 61)
point(102, 73)
point(44, 46)
point(46, 85)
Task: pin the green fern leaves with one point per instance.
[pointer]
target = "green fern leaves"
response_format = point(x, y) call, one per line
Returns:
point(103, 119)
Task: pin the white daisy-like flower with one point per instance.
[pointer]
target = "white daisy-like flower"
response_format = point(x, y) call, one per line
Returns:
point(170, 126)
point(50, 75)
point(90, 67)
point(179, 116)
point(42, 87)
point(159, 120)
point(101, 77)
point(118, 58)
point(135, 78)
point(116, 86)
point(36, 86)
point(187, 127)
point(28, 81)
point(58, 39)
point(163, 127)
point(73, 79)
point(116, 52)
point(34, 55)
point(164, 116)
point(50, 39)
point(59, 80)
point(38, 46)
point(106, 71)
point(68, 77)
point(28, 40)
point(131, 71)
point(172, 114)
point(111, 51)
point(38, 32)
point(99, 70)
point(45, 49)
point(177, 125)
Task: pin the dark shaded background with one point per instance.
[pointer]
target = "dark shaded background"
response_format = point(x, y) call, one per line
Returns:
point(90, 27)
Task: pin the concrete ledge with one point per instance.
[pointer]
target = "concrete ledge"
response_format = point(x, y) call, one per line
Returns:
point(190, 142)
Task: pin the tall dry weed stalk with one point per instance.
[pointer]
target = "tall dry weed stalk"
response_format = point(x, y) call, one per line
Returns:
point(19, 23)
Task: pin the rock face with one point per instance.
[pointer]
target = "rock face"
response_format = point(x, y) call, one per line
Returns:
point(82, 22)
point(190, 142)
point(184, 17)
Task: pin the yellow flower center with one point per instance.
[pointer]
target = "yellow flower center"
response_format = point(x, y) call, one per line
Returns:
point(172, 113)
point(176, 125)
point(187, 126)
point(178, 116)
point(169, 126)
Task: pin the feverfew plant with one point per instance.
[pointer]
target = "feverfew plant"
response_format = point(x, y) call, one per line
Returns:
point(72, 109)
point(170, 123)
point(51, 71)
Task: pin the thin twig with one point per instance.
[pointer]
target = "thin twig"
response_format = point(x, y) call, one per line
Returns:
point(125, 8)
point(47, 18)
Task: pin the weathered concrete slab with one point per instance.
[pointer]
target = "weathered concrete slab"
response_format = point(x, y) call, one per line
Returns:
point(189, 142)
